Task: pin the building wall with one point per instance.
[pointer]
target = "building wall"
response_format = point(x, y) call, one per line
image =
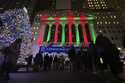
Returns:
point(110, 25)
point(108, 17)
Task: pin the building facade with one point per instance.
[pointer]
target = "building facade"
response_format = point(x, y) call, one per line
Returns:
point(79, 23)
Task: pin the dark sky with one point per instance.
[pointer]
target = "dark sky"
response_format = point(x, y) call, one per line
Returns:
point(63, 4)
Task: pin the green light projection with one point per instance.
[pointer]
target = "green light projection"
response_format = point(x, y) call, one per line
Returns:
point(49, 33)
point(75, 18)
point(92, 31)
point(63, 34)
point(77, 35)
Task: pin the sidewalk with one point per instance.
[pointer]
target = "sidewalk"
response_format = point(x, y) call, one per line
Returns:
point(60, 77)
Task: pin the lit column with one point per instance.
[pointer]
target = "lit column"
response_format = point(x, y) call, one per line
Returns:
point(83, 20)
point(84, 34)
point(70, 33)
point(63, 34)
point(41, 33)
point(92, 31)
point(44, 20)
point(77, 35)
point(57, 22)
point(56, 34)
point(50, 22)
point(49, 33)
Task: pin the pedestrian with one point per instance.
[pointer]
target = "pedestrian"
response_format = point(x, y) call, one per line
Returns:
point(114, 61)
point(102, 46)
point(29, 62)
point(38, 61)
point(91, 53)
point(1, 62)
point(55, 63)
point(61, 63)
point(7, 63)
point(46, 62)
point(84, 58)
point(67, 64)
point(72, 56)
point(50, 62)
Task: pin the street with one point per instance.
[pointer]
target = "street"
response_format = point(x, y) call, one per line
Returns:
point(61, 77)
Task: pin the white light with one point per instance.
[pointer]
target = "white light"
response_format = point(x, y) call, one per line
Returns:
point(117, 22)
point(24, 8)
point(100, 31)
point(119, 48)
point(97, 22)
point(114, 16)
point(34, 38)
point(105, 22)
point(37, 28)
point(101, 60)
point(1, 8)
point(109, 22)
point(40, 15)
point(100, 22)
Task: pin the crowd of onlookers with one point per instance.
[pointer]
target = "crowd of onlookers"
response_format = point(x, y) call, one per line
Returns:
point(101, 56)
point(49, 63)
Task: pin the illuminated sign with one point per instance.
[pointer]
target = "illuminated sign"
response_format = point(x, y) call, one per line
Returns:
point(57, 49)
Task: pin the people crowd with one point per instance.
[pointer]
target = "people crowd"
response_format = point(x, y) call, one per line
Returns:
point(99, 57)
point(8, 58)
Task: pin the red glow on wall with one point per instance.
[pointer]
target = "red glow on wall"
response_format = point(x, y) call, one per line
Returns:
point(44, 18)
point(70, 17)
point(70, 33)
point(82, 22)
point(84, 34)
point(39, 39)
point(56, 34)
point(82, 18)
point(57, 19)
point(70, 21)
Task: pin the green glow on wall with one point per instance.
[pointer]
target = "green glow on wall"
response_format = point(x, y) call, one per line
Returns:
point(63, 18)
point(75, 18)
point(49, 33)
point(77, 35)
point(90, 18)
point(63, 34)
point(50, 18)
point(35, 33)
point(92, 31)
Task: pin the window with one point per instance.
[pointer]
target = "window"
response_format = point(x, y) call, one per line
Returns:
point(109, 22)
point(105, 22)
point(97, 22)
point(100, 22)
point(114, 16)
point(117, 22)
